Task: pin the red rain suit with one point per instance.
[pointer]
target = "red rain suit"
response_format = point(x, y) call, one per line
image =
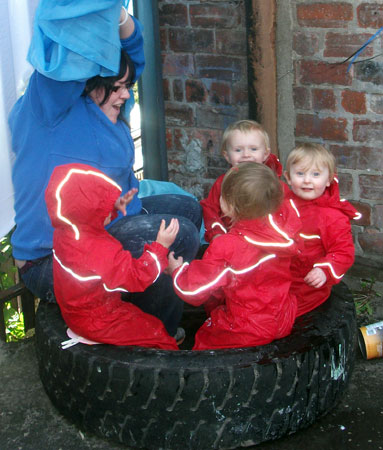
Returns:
point(328, 244)
point(90, 267)
point(213, 219)
point(248, 269)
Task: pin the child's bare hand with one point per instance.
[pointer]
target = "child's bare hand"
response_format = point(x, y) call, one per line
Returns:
point(124, 200)
point(166, 236)
point(315, 278)
point(174, 263)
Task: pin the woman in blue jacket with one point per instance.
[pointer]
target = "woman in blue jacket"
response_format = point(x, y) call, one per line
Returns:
point(71, 111)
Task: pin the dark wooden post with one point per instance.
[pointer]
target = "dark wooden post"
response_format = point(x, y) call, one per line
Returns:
point(262, 67)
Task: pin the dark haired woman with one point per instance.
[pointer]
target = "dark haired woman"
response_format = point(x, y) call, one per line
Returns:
point(58, 122)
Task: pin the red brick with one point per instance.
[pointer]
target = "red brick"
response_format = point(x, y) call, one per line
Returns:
point(345, 184)
point(175, 65)
point(174, 160)
point(327, 128)
point(354, 102)
point(370, 15)
point(224, 15)
point(195, 91)
point(163, 39)
point(217, 165)
point(231, 42)
point(365, 210)
point(206, 188)
point(371, 187)
point(344, 45)
point(220, 67)
point(220, 93)
point(169, 138)
point(214, 172)
point(325, 15)
point(178, 90)
point(376, 103)
point(178, 115)
point(210, 139)
point(166, 90)
point(182, 137)
point(185, 141)
point(371, 158)
point(240, 94)
point(377, 216)
point(218, 117)
point(313, 72)
point(371, 241)
point(323, 99)
point(306, 44)
point(218, 162)
point(191, 40)
point(176, 15)
point(367, 131)
point(370, 72)
point(302, 98)
point(357, 157)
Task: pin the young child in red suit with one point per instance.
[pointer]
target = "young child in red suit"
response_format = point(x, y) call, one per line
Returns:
point(326, 229)
point(90, 267)
point(242, 141)
point(246, 269)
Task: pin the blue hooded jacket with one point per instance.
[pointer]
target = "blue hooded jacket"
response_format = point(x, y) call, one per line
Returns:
point(53, 124)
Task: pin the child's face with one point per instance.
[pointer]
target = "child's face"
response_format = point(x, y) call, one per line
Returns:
point(246, 147)
point(308, 182)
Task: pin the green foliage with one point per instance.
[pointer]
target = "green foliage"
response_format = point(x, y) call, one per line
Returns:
point(364, 295)
point(135, 92)
point(14, 323)
point(13, 318)
point(7, 269)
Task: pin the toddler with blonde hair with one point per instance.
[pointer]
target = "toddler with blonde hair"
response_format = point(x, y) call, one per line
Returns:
point(245, 272)
point(326, 229)
point(242, 141)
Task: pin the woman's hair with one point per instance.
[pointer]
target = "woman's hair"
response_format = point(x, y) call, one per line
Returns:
point(312, 154)
point(244, 126)
point(107, 83)
point(252, 190)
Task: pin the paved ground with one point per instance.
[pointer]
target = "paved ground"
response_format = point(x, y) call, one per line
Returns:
point(28, 421)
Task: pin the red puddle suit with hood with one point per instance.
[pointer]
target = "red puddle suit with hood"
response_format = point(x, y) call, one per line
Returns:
point(328, 244)
point(214, 220)
point(90, 267)
point(248, 269)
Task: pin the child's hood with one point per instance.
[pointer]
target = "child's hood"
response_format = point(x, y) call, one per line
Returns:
point(80, 195)
point(275, 233)
point(273, 162)
point(329, 199)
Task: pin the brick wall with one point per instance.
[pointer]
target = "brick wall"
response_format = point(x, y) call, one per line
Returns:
point(205, 85)
point(344, 109)
point(204, 51)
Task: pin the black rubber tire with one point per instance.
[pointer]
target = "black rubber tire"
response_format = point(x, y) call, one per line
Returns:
point(221, 399)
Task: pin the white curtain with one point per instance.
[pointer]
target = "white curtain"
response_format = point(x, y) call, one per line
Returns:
point(16, 19)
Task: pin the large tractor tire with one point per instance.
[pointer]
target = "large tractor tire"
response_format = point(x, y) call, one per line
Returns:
point(220, 399)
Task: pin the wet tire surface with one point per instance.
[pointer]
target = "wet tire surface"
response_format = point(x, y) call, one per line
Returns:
point(222, 399)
